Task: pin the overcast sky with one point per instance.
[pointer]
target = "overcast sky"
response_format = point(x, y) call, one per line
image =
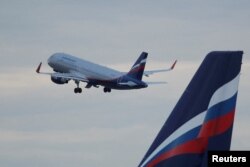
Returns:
point(44, 124)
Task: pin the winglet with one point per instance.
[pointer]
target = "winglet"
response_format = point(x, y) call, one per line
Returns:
point(172, 67)
point(38, 68)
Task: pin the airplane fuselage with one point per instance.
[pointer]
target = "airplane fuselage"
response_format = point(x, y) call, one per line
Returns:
point(94, 73)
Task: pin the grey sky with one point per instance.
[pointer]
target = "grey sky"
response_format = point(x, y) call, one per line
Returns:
point(43, 124)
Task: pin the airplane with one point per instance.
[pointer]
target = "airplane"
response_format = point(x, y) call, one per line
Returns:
point(67, 67)
point(202, 120)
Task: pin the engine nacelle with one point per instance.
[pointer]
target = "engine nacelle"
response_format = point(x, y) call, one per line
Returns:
point(59, 80)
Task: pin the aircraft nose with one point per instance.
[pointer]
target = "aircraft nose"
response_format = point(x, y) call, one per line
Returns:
point(51, 60)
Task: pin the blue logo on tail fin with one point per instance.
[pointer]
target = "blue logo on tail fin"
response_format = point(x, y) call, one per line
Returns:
point(203, 117)
point(138, 68)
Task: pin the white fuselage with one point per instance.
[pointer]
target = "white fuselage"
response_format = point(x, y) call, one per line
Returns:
point(66, 63)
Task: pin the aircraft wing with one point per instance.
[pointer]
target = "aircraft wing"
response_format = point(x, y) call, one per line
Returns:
point(69, 76)
point(147, 73)
point(73, 76)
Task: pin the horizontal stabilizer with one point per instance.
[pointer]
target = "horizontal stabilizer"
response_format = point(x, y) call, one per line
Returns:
point(129, 83)
point(156, 83)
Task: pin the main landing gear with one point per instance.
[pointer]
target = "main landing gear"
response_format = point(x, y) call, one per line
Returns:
point(105, 89)
point(77, 89)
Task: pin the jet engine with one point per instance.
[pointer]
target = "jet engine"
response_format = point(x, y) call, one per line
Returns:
point(59, 80)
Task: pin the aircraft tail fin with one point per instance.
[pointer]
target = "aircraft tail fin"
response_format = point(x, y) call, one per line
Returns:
point(138, 68)
point(203, 118)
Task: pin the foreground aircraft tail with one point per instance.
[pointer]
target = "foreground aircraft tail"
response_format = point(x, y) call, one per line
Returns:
point(138, 68)
point(203, 118)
